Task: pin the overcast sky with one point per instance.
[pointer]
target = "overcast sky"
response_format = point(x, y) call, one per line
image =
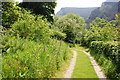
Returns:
point(77, 3)
point(112, 0)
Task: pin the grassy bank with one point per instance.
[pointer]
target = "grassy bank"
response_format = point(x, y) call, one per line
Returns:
point(23, 58)
point(64, 66)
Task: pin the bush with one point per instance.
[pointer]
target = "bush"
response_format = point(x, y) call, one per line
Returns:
point(108, 56)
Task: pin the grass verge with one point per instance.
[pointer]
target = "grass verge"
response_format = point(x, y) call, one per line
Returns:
point(65, 65)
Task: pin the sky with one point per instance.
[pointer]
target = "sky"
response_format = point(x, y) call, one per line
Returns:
point(76, 3)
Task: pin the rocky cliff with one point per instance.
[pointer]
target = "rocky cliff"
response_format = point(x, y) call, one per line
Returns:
point(106, 11)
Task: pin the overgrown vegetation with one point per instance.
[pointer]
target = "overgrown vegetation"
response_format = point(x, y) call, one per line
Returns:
point(35, 48)
point(23, 58)
point(28, 49)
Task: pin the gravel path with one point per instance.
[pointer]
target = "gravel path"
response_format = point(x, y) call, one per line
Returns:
point(70, 69)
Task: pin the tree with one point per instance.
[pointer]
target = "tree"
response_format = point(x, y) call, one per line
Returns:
point(98, 22)
point(72, 25)
point(10, 13)
point(41, 8)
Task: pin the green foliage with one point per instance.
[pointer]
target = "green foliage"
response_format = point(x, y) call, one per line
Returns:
point(109, 49)
point(117, 16)
point(41, 8)
point(101, 30)
point(32, 27)
point(108, 56)
point(103, 40)
point(71, 45)
point(10, 13)
point(23, 58)
point(98, 22)
point(72, 25)
point(59, 35)
point(28, 44)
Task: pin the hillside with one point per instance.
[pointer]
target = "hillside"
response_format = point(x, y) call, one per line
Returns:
point(106, 11)
point(83, 12)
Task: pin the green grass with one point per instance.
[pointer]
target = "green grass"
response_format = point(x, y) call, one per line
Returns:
point(81, 48)
point(83, 67)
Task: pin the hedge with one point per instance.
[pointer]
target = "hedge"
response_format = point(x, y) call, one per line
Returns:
point(109, 49)
point(107, 54)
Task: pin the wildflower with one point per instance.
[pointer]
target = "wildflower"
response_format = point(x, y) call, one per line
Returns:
point(44, 49)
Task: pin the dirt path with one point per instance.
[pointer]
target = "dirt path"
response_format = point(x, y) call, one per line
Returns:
point(96, 67)
point(70, 69)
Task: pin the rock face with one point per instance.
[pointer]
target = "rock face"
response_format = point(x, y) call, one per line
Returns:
point(106, 11)
point(83, 12)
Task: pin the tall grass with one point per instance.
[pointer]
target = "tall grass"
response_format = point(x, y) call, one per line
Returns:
point(23, 58)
